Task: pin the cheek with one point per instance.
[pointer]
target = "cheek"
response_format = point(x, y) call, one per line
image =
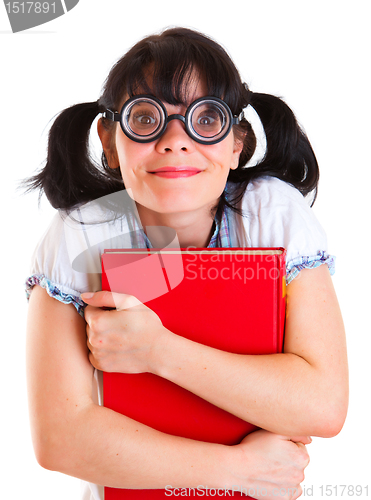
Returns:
point(131, 153)
point(224, 150)
point(127, 154)
point(222, 157)
point(122, 148)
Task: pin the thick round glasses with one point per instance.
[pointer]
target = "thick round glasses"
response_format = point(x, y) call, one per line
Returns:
point(143, 118)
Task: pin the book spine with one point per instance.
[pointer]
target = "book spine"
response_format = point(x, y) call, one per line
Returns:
point(105, 285)
point(282, 299)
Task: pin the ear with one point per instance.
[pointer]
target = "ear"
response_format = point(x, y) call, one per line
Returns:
point(237, 150)
point(108, 143)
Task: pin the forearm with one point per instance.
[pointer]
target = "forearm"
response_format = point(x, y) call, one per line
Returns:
point(279, 392)
point(107, 448)
point(104, 447)
point(302, 391)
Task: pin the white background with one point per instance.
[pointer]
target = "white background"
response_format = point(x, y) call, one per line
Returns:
point(315, 54)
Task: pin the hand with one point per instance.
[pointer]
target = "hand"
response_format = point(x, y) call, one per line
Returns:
point(120, 340)
point(274, 465)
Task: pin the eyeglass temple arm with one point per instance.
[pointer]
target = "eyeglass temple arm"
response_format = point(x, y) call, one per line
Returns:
point(111, 115)
point(237, 119)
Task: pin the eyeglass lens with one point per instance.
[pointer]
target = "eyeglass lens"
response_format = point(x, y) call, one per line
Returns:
point(144, 118)
point(207, 119)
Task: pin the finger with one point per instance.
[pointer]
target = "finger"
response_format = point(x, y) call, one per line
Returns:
point(304, 451)
point(297, 492)
point(89, 338)
point(91, 314)
point(93, 361)
point(110, 299)
point(301, 439)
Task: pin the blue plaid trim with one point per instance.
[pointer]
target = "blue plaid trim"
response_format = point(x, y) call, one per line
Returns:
point(142, 240)
point(138, 237)
point(54, 291)
point(296, 265)
point(221, 237)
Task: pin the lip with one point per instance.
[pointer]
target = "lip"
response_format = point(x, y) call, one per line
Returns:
point(176, 172)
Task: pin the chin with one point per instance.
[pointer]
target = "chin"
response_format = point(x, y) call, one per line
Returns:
point(173, 204)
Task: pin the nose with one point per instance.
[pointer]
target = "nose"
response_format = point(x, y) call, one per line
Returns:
point(175, 138)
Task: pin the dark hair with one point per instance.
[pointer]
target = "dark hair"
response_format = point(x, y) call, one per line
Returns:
point(70, 175)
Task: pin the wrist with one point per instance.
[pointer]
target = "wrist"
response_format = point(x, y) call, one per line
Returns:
point(228, 469)
point(160, 351)
point(231, 460)
point(215, 467)
point(172, 355)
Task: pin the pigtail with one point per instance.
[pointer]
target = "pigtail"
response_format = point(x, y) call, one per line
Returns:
point(70, 175)
point(289, 155)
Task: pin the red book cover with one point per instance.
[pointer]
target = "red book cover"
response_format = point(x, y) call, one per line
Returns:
point(229, 299)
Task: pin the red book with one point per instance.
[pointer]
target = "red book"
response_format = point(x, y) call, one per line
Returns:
point(229, 299)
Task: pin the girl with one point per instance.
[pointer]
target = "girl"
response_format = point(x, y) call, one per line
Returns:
point(174, 134)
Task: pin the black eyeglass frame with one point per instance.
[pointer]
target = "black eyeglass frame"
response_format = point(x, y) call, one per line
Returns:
point(165, 119)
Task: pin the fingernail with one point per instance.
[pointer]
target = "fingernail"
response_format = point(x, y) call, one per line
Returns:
point(87, 295)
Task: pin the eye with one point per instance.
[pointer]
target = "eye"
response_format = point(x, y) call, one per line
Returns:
point(144, 119)
point(209, 117)
point(206, 120)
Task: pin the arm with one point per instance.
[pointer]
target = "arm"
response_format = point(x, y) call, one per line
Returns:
point(75, 436)
point(302, 391)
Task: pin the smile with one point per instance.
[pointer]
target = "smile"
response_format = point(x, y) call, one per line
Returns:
point(176, 172)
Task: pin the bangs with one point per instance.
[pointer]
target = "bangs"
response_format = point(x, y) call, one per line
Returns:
point(164, 65)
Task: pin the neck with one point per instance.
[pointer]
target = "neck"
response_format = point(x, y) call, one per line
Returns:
point(193, 229)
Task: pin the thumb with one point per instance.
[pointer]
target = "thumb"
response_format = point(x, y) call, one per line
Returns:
point(118, 301)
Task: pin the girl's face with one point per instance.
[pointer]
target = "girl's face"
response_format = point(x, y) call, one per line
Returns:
point(175, 174)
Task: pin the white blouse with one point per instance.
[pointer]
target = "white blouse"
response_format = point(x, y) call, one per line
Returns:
point(66, 261)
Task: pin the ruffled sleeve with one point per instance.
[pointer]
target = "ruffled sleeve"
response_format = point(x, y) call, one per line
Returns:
point(277, 215)
point(52, 264)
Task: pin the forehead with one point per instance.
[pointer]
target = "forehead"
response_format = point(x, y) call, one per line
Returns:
point(180, 89)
